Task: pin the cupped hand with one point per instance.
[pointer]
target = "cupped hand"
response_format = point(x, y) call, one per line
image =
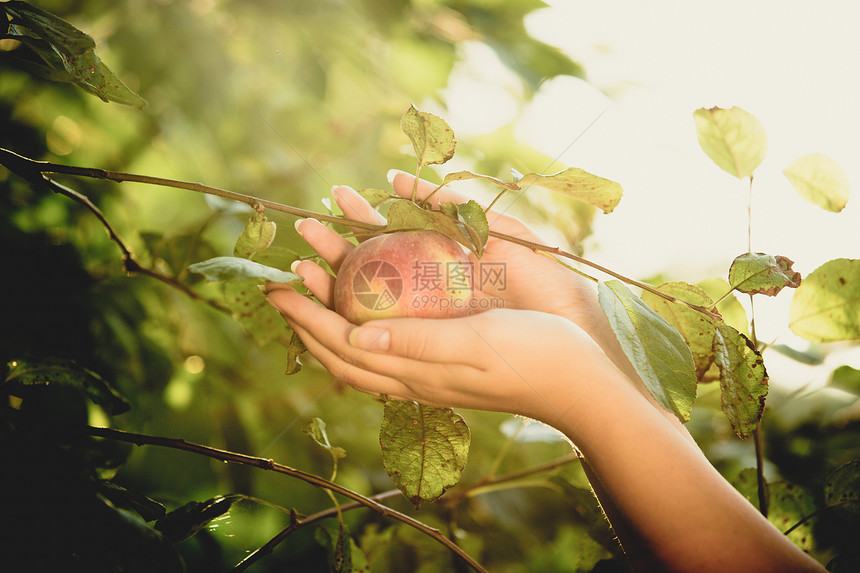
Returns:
point(511, 275)
point(532, 281)
point(482, 361)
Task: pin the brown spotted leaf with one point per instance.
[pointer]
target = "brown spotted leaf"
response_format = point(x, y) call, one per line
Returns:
point(788, 503)
point(602, 193)
point(743, 379)
point(696, 328)
point(826, 307)
point(424, 448)
point(760, 273)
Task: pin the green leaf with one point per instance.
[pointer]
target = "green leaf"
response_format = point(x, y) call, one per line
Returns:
point(344, 556)
point(404, 215)
point(743, 379)
point(424, 448)
point(842, 486)
point(846, 379)
point(316, 432)
point(474, 220)
point(220, 269)
point(277, 257)
point(257, 235)
point(242, 296)
point(826, 307)
point(696, 328)
point(819, 180)
point(464, 175)
point(295, 348)
point(50, 67)
point(376, 196)
point(432, 138)
point(66, 38)
point(788, 503)
point(733, 138)
point(189, 519)
point(656, 350)
point(71, 51)
point(95, 77)
point(148, 509)
point(759, 273)
point(250, 309)
point(579, 184)
point(24, 374)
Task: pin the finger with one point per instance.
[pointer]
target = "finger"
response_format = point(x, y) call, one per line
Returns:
point(355, 207)
point(451, 341)
point(331, 246)
point(317, 280)
point(330, 332)
point(325, 333)
point(347, 371)
point(403, 184)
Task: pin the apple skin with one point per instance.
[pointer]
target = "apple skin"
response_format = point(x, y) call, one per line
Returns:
point(409, 274)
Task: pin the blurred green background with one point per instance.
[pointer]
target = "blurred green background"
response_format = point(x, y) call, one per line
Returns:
point(280, 100)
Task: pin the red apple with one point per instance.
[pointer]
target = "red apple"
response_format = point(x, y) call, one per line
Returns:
point(418, 274)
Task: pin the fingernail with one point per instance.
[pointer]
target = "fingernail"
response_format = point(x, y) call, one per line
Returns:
point(264, 288)
point(297, 224)
point(337, 192)
point(392, 173)
point(369, 338)
point(294, 265)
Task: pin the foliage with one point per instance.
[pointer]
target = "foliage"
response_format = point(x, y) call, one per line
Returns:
point(158, 328)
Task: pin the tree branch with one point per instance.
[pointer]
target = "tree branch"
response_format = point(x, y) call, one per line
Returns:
point(268, 464)
point(451, 498)
point(28, 168)
point(31, 169)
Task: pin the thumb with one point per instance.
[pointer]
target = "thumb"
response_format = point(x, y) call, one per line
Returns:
point(427, 340)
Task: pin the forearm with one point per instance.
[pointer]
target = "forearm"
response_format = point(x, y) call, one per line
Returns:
point(590, 317)
point(669, 505)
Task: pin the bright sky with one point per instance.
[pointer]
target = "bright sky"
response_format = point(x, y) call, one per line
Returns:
point(792, 64)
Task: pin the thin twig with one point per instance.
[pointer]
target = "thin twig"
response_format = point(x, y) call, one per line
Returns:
point(459, 493)
point(815, 513)
point(644, 286)
point(271, 465)
point(269, 546)
point(129, 262)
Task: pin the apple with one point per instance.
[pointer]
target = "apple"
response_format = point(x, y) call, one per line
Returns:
point(408, 274)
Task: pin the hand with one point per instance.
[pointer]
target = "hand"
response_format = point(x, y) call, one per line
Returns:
point(482, 361)
point(532, 281)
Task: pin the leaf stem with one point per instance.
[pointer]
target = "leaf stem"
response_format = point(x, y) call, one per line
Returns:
point(495, 199)
point(749, 216)
point(763, 497)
